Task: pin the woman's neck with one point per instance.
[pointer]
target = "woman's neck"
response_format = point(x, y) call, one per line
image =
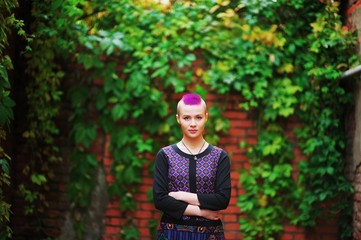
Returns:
point(193, 142)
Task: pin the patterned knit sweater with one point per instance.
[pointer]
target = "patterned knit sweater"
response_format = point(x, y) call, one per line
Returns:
point(208, 176)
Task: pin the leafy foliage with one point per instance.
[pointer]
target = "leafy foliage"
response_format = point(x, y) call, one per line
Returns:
point(270, 190)
point(43, 95)
point(125, 60)
point(104, 41)
point(289, 65)
point(8, 22)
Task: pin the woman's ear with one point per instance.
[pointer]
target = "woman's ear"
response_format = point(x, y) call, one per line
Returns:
point(178, 120)
point(207, 116)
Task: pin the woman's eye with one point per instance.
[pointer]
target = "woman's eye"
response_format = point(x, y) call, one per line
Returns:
point(199, 118)
point(186, 118)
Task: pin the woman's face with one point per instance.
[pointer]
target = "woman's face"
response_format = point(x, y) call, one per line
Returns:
point(192, 119)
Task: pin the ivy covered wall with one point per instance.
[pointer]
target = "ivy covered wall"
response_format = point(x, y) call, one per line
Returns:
point(101, 83)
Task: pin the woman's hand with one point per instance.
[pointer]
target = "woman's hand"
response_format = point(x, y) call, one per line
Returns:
point(210, 214)
point(192, 210)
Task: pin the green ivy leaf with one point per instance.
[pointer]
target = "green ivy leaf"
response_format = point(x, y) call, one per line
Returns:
point(38, 179)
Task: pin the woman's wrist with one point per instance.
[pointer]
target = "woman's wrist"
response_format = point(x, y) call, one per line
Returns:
point(193, 210)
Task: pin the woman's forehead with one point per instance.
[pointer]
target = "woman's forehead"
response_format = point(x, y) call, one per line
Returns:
point(191, 109)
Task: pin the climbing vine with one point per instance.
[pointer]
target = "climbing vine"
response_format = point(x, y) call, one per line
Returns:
point(39, 131)
point(121, 63)
point(8, 24)
point(129, 97)
point(288, 65)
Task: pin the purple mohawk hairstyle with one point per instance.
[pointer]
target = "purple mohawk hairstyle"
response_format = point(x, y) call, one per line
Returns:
point(192, 99)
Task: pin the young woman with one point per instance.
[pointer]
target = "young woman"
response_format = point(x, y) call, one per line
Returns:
point(191, 179)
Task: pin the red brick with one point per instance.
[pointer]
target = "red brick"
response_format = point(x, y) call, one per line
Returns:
point(97, 147)
point(113, 213)
point(145, 171)
point(230, 140)
point(231, 226)
point(300, 237)
point(293, 229)
point(144, 232)
point(111, 237)
point(108, 161)
point(231, 149)
point(144, 188)
point(233, 201)
point(232, 235)
point(235, 115)
point(239, 132)
point(251, 141)
point(287, 236)
point(141, 197)
point(143, 214)
point(144, 223)
point(229, 218)
point(113, 204)
point(241, 191)
point(251, 132)
point(112, 230)
point(246, 165)
point(147, 181)
point(115, 221)
point(156, 214)
point(232, 209)
point(110, 179)
point(147, 206)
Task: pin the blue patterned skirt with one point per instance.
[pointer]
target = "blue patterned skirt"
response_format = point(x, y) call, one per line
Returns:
point(170, 231)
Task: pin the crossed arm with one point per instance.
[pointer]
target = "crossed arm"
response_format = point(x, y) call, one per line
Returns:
point(179, 203)
point(193, 208)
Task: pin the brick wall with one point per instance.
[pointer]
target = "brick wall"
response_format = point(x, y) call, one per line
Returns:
point(57, 221)
point(242, 127)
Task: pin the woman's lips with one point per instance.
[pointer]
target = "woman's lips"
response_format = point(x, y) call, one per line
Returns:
point(192, 131)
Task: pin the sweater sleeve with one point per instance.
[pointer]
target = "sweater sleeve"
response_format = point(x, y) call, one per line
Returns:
point(162, 200)
point(220, 198)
